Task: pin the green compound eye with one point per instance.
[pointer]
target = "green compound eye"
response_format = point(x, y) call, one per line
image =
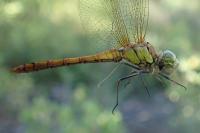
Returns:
point(168, 62)
point(168, 58)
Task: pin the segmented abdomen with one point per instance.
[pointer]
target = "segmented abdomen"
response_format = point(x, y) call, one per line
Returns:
point(107, 56)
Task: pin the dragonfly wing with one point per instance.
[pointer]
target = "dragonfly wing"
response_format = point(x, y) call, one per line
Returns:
point(129, 20)
point(117, 22)
point(119, 29)
point(97, 23)
point(136, 16)
point(104, 18)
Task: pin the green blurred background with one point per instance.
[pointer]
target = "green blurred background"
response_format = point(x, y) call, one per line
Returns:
point(67, 100)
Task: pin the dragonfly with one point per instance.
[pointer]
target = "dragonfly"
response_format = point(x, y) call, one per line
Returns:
point(126, 24)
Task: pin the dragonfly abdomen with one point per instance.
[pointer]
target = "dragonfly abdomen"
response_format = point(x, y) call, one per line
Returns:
point(107, 56)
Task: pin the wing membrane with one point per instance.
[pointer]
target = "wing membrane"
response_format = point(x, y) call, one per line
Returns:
point(97, 23)
point(117, 22)
point(119, 29)
point(139, 12)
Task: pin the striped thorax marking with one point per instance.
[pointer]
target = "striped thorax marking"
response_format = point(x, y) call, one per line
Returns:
point(139, 54)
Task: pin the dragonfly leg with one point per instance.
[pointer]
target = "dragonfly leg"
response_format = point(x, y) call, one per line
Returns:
point(163, 84)
point(131, 65)
point(173, 81)
point(133, 74)
point(145, 86)
point(108, 76)
point(135, 69)
point(129, 80)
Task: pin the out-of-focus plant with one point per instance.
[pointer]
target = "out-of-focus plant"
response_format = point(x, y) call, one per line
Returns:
point(81, 115)
point(53, 101)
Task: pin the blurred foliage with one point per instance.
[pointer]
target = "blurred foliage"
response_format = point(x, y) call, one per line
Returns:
point(47, 116)
point(68, 99)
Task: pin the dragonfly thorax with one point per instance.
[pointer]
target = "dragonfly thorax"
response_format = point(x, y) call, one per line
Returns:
point(167, 62)
point(141, 55)
point(146, 58)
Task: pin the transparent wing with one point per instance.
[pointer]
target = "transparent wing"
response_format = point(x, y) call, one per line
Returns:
point(137, 16)
point(119, 29)
point(97, 23)
point(115, 22)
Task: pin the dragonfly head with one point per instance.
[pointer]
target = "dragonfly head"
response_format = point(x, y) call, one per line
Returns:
point(167, 62)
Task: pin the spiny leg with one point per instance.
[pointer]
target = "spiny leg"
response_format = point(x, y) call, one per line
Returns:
point(118, 83)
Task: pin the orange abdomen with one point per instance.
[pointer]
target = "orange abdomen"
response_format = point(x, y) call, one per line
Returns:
point(107, 56)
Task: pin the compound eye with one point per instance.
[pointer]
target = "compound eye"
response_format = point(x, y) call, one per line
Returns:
point(168, 58)
point(168, 62)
